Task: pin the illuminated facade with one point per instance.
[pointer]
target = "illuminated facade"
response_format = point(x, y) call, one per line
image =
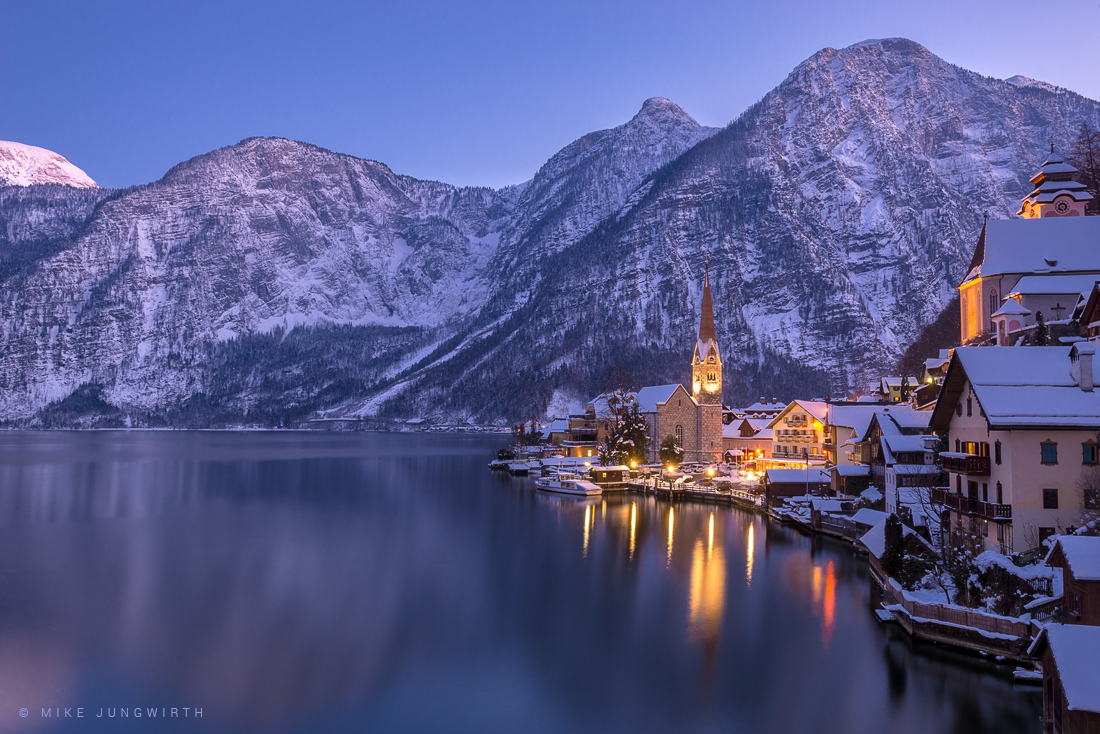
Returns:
point(1022, 266)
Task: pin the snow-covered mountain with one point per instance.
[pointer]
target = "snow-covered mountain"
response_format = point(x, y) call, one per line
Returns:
point(274, 279)
point(26, 165)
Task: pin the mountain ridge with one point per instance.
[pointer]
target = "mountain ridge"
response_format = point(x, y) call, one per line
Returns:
point(278, 280)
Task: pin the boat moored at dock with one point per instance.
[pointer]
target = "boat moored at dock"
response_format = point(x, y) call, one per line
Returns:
point(568, 483)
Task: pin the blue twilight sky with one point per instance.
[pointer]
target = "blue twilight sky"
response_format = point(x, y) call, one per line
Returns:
point(465, 92)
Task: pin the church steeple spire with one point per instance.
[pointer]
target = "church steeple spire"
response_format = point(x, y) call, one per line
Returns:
point(706, 363)
point(706, 317)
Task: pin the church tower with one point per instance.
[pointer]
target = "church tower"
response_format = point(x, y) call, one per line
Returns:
point(1056, 194)
point(706, 379)
point(706, 363)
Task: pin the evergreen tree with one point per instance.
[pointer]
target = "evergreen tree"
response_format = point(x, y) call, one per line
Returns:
point(906, 389)
point(630, 437)
point(892, 552)
point(1042, 336)
point(670, 452)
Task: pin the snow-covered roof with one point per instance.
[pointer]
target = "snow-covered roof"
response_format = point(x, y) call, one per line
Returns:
point(854, 470)
point(1050, 245)
point(871, 494)
point(934, 363)
point(760, 407)
point(1076, 648)
point(856, 417)
point(874, 540)
point(906, 417)
point(814, 408)
point(558, 425)
point(869, 517)
point(1012, 307)
point(601, 404)
point(650, 397)
point(894, 381)
point(1082, 553)
point(907, 443)
point(793, 476)
point(823, 504)
point(759, 427)
point(1024, 386)
point(1031, 285)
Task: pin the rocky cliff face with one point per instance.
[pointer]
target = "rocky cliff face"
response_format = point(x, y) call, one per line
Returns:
point(273, 280)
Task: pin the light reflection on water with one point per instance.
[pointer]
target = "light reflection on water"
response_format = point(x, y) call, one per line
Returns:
point(321, 582)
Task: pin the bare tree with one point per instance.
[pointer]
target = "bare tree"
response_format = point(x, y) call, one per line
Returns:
point(1088, 485)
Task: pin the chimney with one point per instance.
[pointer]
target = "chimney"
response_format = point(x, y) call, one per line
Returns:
point(1080, 358)
point(763, 401)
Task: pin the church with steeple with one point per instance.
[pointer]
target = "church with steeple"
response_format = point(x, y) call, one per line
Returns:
point(1041, 261)
point(693, 418)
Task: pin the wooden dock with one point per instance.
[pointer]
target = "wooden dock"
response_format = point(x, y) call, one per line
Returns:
point(670, 492)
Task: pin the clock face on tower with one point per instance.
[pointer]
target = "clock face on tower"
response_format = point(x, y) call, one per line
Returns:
point(1062, 207)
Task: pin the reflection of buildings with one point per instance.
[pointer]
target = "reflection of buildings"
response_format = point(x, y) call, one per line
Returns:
point(707, 594)
point(824, 593)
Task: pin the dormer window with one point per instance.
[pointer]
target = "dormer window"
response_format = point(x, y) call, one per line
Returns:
point(710, 359)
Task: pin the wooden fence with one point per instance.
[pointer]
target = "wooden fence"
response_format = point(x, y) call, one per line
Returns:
point(951, 614)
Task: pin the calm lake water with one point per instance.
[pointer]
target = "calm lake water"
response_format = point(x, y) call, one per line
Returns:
point(313, 582)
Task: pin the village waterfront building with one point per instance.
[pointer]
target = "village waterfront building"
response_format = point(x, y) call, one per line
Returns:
point(1022, 425)
point(1071, 696)
point(798, 432)
point(846, 425)
point(747, 439)
point(1078, 559)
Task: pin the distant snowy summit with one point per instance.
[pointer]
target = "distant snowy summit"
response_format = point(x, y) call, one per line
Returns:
point(26, 165)
point(1024, 81)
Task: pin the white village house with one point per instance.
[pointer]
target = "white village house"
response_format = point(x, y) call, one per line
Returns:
point(1022, 425)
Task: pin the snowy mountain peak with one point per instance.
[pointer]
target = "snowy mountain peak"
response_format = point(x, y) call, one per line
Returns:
point(660, 107)
point(1024, 81)
point(26, 165)
point(896, 44)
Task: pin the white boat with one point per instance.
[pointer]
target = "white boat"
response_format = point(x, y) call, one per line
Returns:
point(567, 483)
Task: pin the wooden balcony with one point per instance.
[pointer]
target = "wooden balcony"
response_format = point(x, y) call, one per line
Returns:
point(965, 505)
point(968, 464)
